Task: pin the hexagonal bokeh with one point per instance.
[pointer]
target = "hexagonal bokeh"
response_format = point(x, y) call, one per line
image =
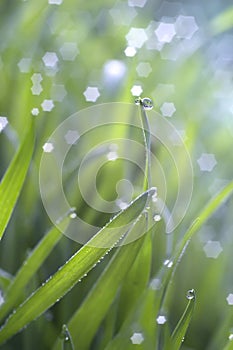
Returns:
point(3, 123)
point(122, 14)
point(36, 89)
point(144, 69)
point(50, 59)
point(212, 249)
point(137, 3)
point(55, 2)
point(136, 37)
point(130, 51)
point(24, 65)
point(47, 105)
point(229, 299)
point(35, 111)
point(71, 137)
point(91, 93)
point(161, 319)
point(69, 51)
point(168, 109)
point(136, 90)
point(165, 32)
point(48, 147)
point(137, 338)
point(207, 162)
point(58, 92)
point(36, 78)
point(185, 27)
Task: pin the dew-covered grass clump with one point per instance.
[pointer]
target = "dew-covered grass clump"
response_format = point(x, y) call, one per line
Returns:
point(116, 131)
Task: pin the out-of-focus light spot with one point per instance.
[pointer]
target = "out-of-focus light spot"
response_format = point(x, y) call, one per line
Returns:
point(168, 109)
point(168, 10)
point(50, 59)
point(161, 319)
point(3, 123)
point(36, 89)
point(58, 92)
point(230, 299)
point(47, 105)
point(69, 51)
point(155, 284)
point(91, 94)
point(112, 156)
point(36, 78)
point(178, 137)
point(144, 69)
point(163, 92)
point(122, 14)
point(24, 65)
point(137, 338)
point(137, 3)
point(185, 27)
point(230, 336)
point(136, 37)
point(212, 249)
point(48, 147)
point(55, 2)
point(165, 32)
point(157, 218)
point(114, 70)
point(35, 111)
point(130, 51)
point(71, 137)
point(121, 204)
point(207, 162)
point(136, 90)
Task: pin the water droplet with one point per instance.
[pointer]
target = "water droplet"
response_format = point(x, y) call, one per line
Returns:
point(190, 294)
point(157, 217)
point(73, 215)
point(147, 103)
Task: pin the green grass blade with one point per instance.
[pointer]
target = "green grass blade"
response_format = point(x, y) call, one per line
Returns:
point(5, 280)
point(229, 345)
point(104, 291)
point(71, 272)
point(182, 326)
point(206, 213)
point(29, 268)
point(14, 177)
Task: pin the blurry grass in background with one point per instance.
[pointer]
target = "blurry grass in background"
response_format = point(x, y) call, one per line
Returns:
point(60, 57)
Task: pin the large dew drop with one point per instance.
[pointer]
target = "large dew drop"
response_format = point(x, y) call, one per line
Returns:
point(190, 294)
point(145, 102)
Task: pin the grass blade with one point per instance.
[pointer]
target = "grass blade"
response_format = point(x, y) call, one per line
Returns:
point(103, 293)
point(14, 177)
point(29, 268)
point(70, 273)
point(182, 326)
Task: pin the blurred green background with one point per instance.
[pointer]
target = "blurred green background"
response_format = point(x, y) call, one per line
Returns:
point(59, 57)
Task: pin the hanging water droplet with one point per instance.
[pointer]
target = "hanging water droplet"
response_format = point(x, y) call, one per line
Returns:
point(147, 103)
point(73, 215)
point(190, 294)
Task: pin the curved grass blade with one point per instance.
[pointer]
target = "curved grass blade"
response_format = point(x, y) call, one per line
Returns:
point(182, 326)
point(29, 268)
point(104, 291)
point(67, 342)
point(14, 177)
point(206, 213)
point(74, 269)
